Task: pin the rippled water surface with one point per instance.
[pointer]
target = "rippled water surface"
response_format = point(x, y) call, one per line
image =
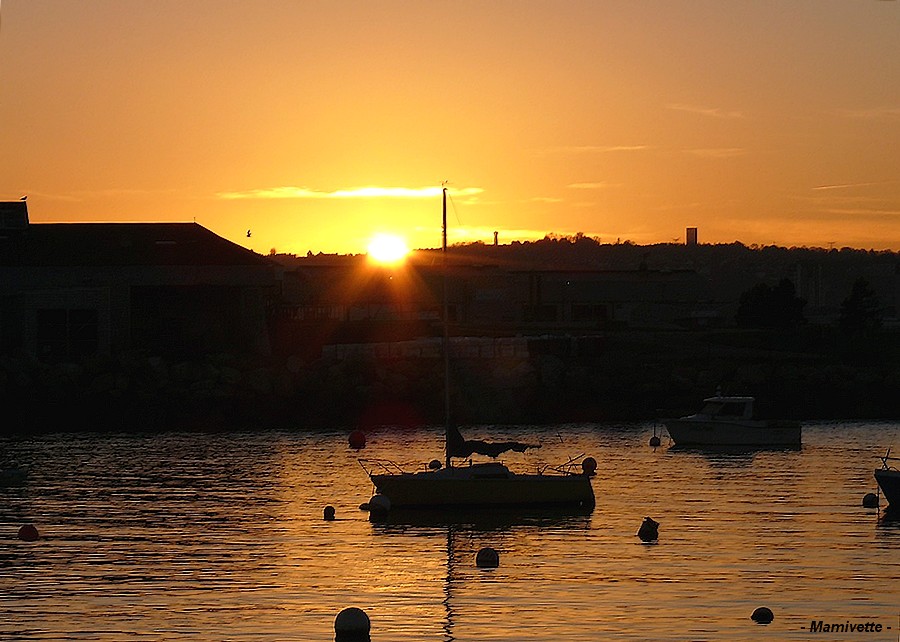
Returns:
point(215, 537)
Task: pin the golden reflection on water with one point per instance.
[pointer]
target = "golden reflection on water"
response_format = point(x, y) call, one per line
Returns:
point(221, 536)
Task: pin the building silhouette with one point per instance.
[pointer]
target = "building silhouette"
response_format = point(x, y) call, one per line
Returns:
point(68, 290)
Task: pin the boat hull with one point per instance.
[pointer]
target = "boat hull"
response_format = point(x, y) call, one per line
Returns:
point(889, 481)
point(463, 487)
point(699, 432)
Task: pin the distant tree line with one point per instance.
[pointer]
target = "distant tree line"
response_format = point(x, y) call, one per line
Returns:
point(779, 308)
point(861, 312)
point(771, 308)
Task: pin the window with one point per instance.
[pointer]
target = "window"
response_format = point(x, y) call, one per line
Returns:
point(733, 409)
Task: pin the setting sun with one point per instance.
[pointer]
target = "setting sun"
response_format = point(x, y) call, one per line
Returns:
point(387, 248)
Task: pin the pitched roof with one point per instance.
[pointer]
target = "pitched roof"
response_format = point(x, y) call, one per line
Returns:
point(121, 244)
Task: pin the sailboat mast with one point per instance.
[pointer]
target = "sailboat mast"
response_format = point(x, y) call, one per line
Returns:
point(445, 339)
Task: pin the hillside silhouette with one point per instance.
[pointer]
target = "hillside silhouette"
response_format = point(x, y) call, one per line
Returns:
point(811, 332)
point(730, 268)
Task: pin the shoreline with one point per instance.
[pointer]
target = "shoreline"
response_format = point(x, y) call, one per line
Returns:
point(634, 376)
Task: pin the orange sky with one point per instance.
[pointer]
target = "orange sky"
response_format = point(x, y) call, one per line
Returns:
point(765, 121)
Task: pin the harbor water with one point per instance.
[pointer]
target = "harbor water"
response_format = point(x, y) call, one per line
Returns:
point(220, 536)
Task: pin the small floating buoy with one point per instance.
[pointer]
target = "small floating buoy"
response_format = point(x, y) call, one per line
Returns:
point(762, 615)
point(357, 440)
point(28, 533)
point(351, 624)
point(589, 466)
point(870, 500)
point(649, 530)
point(434, 464)
point(487, 557)
point(654, 441)
point(329, 513)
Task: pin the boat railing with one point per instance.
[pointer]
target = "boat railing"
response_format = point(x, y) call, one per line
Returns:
point(569, 467)
point(374, 466)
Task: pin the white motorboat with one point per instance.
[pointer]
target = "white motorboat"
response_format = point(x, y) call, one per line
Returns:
point(730, 421)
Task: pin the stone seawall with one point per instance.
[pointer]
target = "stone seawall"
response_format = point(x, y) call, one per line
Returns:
point(618, 377)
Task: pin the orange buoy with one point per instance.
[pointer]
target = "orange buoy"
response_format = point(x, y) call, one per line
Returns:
point(357, 440)
point(28, 533)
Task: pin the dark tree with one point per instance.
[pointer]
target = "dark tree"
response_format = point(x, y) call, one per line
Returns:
point(861, 311)
point(769, 308)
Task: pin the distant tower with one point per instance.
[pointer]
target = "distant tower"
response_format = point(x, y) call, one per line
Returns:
point(690, 237)
point(495, 238)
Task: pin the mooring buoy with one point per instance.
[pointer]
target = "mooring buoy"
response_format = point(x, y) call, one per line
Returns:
point(351, 624)
point(649, 530)
point(328, 513)
point(870, 500)
point(654, 441)
point(357, 439)
point(29, 533)
point(487, 557)
point(762, 615)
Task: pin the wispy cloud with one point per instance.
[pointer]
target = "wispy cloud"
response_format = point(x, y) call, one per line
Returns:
point(717, 152)
point(596, 185)
point(369, 192)
point(712, 112)
point(840, 186)
point(544, 199)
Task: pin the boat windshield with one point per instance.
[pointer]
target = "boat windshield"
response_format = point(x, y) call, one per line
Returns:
point(725, 409)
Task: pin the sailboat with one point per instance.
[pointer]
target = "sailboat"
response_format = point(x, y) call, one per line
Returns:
point(478, 484)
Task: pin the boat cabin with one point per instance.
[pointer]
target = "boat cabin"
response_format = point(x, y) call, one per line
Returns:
point(728, 408)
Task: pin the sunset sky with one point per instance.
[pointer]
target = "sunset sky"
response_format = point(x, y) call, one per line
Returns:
point(317, 124)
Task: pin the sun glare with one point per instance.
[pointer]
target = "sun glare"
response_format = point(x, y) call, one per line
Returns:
point(387, 248)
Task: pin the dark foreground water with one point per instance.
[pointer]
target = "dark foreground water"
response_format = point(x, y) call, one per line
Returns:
point(213, 537)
